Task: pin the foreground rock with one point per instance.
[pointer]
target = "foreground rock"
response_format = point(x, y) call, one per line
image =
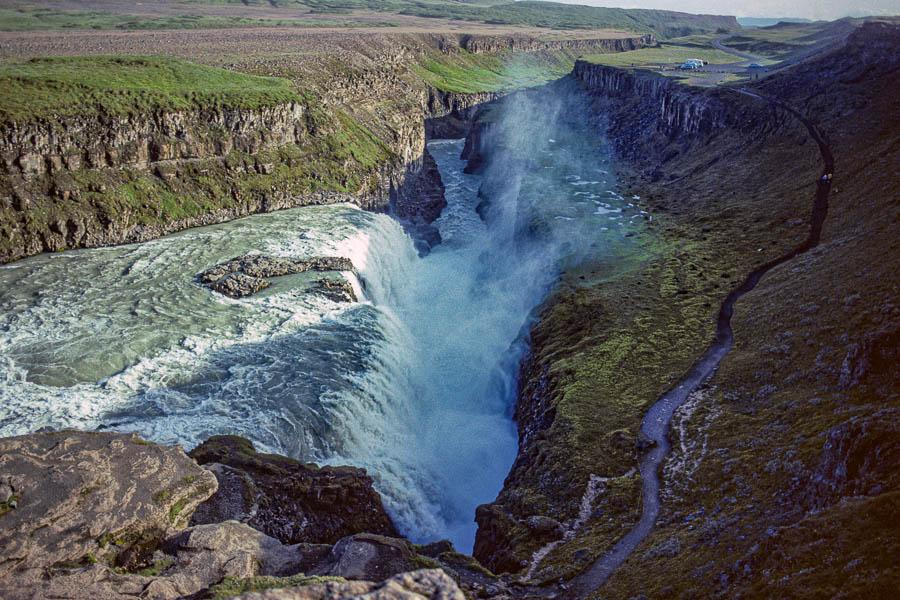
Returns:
point(287, 499)
point(84, 497)
point(416, 585)
point(104, 515)
point(245, 275)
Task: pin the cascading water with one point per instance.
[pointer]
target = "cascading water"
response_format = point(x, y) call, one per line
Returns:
point(415, 383)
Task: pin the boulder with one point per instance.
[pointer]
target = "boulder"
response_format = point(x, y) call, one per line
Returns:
point(545, 527)
point(83, 498)
point(287, 499)
point(859, 457)
point(368, 557)
point(186, 564)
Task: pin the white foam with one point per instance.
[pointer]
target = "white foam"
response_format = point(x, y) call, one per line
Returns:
point(605, 211)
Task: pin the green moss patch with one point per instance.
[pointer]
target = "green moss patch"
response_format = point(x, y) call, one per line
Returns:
point(7, 506)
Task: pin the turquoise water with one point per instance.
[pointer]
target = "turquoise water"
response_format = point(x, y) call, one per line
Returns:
point(415, 382)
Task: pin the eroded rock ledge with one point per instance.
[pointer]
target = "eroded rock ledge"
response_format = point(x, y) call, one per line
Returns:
point(109, 515)
point(285, 498)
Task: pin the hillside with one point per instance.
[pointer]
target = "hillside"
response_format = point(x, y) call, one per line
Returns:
point(156, 14)
point(780, 482)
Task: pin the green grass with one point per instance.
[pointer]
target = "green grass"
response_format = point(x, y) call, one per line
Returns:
point(778, 42)
point(177, 508)
point(666, 53)
point(6, 506)
point(157, 567)
point(76, 85)
point(733, 78)
point(473, 73)
point(34, 19)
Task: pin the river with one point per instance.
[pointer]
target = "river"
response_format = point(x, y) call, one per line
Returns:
point(415, 382)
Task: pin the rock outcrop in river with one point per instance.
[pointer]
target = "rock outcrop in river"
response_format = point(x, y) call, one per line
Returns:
point(245, 275)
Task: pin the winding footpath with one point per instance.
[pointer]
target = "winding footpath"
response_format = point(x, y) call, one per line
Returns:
point(717, 43)
point(656, 422)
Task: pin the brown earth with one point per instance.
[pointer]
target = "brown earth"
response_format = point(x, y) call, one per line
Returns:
point(221, 47)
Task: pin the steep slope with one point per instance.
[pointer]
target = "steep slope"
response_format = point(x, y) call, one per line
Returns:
point(757, 495)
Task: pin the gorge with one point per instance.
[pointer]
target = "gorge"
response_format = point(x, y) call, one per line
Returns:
point(573, 277)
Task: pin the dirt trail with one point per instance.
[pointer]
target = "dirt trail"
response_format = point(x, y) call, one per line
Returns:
point(656, 422)
point(717, 43)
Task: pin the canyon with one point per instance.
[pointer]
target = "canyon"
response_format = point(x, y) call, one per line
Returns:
point(780, 479)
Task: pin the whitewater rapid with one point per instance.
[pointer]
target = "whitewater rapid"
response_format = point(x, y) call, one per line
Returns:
point(415, 382)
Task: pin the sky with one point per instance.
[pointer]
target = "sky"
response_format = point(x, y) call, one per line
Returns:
point(826, 10)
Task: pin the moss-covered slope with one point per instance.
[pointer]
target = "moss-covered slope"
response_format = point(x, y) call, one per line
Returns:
point(800, 418)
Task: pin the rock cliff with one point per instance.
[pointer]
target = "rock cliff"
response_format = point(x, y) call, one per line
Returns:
point(673, 108)
point(289, 500)
point(495, 44)
point(98, 180)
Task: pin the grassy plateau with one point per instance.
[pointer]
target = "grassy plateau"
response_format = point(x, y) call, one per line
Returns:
point(77, 85)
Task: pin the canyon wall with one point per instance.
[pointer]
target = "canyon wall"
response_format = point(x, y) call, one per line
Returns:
point(495, 44)
point(586, 339)
point(99, 179)
point(357, 135)
point(752, 503)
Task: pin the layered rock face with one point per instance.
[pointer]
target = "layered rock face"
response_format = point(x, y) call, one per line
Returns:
point(143, 141)
point(289, 500)
point(99, 180)
point(670, 108)
point(494, 44)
